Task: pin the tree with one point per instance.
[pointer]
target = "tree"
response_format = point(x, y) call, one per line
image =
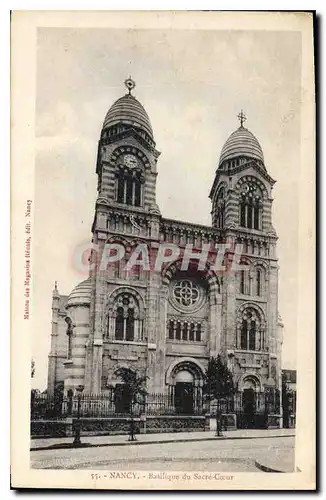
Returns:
point(218, 383)
point(32, 368)
point(135, 386)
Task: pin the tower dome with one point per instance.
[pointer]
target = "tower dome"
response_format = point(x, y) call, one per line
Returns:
point(81, 294)
point(128, 111)
point(243, 143)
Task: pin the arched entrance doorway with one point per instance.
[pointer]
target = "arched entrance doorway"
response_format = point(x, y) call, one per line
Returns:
point(121, 395)
point(184, 393)
point(185, 380)
point(251, 407)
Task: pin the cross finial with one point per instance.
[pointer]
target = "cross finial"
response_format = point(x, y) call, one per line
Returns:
point(242, 118)
point(130, 84)
point(56, 286)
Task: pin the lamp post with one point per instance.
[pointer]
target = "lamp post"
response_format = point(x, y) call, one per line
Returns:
point(77, 441)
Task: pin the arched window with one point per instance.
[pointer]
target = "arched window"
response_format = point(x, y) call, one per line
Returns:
point(220, 208)
point(251, 334)
point(124, 320)
point(119, 324)
point(258, 282)
point(256, 215)
point(129, 187)
point(192, 332)
point(198, 332)
point(129, 182)
point(137, 192)
point(130, 326)
point(243, 213)
point(244, 333)
point(250, 206)
point(178, 331)
point(121, 189)
point(248, 335)
point(171, 329)
point(249, 213)
point(184, 331)
point(244, 281)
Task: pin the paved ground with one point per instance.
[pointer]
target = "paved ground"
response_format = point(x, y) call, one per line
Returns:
point(163, 437)
point(232, 455)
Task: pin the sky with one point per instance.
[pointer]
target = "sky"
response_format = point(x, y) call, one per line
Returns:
point(192, 83)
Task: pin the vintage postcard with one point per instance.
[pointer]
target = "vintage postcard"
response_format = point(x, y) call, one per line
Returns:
point(163, 243)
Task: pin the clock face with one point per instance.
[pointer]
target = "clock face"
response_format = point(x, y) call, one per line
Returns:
point(130, 161)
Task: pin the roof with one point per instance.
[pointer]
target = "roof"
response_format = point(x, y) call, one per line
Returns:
point(81, 294)
point(129, 111)
point(241, 142)
point(291, 375)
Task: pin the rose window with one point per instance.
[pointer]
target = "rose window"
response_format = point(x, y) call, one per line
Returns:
point(186, 293)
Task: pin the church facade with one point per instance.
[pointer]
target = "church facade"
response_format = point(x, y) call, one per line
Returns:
point(167, 321)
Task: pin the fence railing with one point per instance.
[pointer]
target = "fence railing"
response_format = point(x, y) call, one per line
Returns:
point(44, 406)
point(110, 404)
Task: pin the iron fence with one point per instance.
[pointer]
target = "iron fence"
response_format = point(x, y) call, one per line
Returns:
point(110, 404)
point(168, 404)
point(44, 407)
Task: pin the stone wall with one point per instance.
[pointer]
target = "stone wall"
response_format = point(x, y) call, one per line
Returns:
point(118, 425)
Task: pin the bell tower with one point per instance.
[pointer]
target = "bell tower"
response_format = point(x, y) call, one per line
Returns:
point(241, 198)
point(125, 213)
point(126, 161)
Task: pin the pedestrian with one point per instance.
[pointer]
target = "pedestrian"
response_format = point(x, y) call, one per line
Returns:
point(132, 430)
point(218, 422)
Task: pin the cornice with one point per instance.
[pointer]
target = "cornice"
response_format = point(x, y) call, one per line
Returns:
point(182, 225)
point(254, 234)
point(106, 141)
point(240, 168)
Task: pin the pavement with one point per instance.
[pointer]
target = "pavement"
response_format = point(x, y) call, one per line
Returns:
point(237, 451)
point(156, 438)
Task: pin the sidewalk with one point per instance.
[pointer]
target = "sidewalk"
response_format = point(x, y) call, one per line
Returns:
point(170, 437)
point(280, 461)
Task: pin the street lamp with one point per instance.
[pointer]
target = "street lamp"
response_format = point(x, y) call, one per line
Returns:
point(77, 441)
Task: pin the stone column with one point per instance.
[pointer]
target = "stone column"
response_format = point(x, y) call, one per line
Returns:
point(161, 339)
point(97, 360)
point(88, 367)
point(97, 365)
point(215, 321)
point(94, 363)
point(152, 320)
point(229, 318)
point(152, 329)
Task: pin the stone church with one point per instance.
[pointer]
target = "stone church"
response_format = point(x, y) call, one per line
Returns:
point(166, 323)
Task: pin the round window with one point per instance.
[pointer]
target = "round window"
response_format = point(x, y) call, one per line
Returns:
point(186, 293)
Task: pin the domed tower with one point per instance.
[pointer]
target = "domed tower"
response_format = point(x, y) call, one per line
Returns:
point(247, 203)
point(241, 208)
point(126, 213)
point(126, 161)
